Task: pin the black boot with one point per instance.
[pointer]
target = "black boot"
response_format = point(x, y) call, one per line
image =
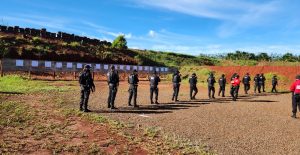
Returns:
point(294, 115)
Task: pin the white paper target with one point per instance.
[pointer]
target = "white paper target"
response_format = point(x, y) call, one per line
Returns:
point(135, 67)
point(121, 67)
point(34, 63)
point(79, 65)
point(166, 69)
point(106, 67)
point(157, 69)
point(19, 63)
point(59, 65)
point(98, 66)
point(151, 68)
point(146, 68)
point(69, 65)
point(140, 68)
point(48, 64)
point(128, 68)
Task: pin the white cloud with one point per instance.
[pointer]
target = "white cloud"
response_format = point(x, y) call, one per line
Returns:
point(151, 33)
point(235, 15)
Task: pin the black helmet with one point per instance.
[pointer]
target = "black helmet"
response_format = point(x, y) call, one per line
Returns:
point(298, 77)
point(194, 74)
point(223, 75)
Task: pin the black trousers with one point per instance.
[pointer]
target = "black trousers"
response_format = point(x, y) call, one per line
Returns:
point(295, 103)
point(211, 91)
point(234, 92)
point(194, 89)
point(222, 90)
point(263, 87)
point(84, 98)
point(132, 93)
point(274, 89)
point(153, 90)
point(246, 88)
point(258, 87)
point(176, 87)
point(112, 95)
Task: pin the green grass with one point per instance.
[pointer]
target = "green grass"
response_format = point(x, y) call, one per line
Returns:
point(17, 84)
point(14, 114)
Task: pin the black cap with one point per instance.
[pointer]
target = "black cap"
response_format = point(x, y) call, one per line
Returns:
point(87, 66)
point(194, 74)
point(298, 77)
point(112, 67)
point(223, 75)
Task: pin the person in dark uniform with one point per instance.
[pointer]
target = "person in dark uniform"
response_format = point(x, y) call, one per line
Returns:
point(274, 84)
point(193, 86)
point(262, 81)
point(133, 81)
point(113, 83)
point(257, 84)
point(222, 84)
point(86, 86)
point(295, 89)
point(211, 86)
point(154, 80)
point(246, 81)
point(176, 85)
point(235, 84)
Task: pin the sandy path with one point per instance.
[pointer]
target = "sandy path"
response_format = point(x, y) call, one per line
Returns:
point(256, 124)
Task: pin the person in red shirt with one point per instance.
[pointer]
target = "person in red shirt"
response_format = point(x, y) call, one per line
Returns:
point(235, 85)
point(295, 89)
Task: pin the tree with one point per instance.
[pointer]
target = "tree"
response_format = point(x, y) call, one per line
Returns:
point(120, 42)
point(263, 56)
point(3, 52)
point(3, 49)
point(289, 57)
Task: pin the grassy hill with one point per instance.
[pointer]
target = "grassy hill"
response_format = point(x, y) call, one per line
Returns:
point(18, 46)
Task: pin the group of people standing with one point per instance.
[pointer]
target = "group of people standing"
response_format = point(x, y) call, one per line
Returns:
point(87, 85)
point(259, 84)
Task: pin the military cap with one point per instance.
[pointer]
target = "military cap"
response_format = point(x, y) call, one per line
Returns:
point(87, 66)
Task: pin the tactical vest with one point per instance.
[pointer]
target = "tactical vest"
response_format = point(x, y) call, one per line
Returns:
point(153, 81)
point(131, 79)
point(85, 79)
point(210, 81)
point(222, 81)
point(112, 77)
point(246, 80)
point(193, 80)
point(176, 79)
point(256, 79)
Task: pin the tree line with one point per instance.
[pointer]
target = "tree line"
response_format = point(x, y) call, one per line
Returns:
point(241, 55)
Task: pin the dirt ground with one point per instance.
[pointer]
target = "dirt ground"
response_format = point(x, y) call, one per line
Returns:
point(255, 124)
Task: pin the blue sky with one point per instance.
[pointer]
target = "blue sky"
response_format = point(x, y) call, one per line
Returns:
point(184, 26)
